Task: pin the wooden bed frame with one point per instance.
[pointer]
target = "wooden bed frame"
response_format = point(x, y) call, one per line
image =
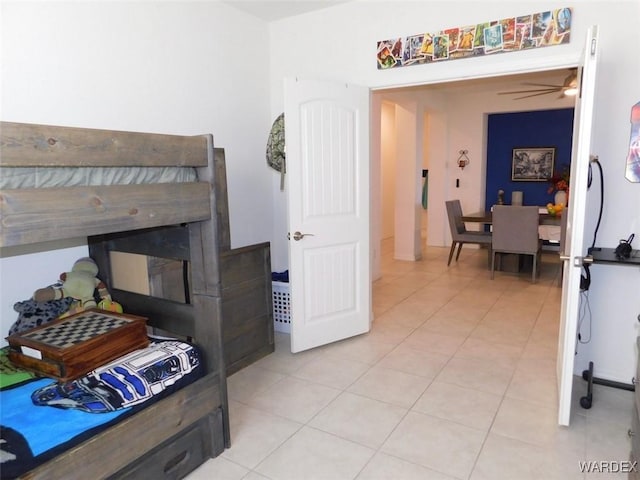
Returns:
point(179, 221)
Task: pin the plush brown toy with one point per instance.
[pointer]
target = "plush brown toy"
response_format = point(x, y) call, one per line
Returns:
point(80, 283)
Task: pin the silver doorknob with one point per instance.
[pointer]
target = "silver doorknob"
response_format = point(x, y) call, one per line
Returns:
point(297, 236)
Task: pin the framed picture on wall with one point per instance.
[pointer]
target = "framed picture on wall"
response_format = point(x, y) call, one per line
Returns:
point(532, 164)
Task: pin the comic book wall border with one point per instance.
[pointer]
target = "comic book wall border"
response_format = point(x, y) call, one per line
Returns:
point(514, 34)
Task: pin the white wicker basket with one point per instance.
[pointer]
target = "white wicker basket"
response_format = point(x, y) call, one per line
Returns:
point(281, 307)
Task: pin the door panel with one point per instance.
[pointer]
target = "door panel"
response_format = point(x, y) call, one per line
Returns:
point(327, 138)
point(575, 246)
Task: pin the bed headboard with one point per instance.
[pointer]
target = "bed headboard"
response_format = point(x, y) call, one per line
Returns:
point(35, 215)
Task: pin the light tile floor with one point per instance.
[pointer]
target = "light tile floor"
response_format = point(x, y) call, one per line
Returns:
point(456, 380)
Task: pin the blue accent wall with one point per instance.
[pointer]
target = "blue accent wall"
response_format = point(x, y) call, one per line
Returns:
point(506, 131)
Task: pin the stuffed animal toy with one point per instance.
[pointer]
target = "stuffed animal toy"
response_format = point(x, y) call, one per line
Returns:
point(32, 314)
point(80, 284)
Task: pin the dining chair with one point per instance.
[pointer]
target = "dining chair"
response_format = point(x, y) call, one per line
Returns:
point(515, 230)
point(459, 233)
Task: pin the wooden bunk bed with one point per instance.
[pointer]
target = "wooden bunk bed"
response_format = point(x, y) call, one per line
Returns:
point(185, 222)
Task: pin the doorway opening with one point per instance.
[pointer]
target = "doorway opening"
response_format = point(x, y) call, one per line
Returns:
point(444, 118)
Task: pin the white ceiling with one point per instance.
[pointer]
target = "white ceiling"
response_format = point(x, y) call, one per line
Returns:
point(496, 84)
point(275, 10)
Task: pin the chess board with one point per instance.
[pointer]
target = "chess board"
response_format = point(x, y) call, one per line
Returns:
point(68, 348)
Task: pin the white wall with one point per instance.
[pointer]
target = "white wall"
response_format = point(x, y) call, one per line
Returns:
point(203, 67)
point(407, 247)
point(337, 47)
point(426, 141)
point(167, 67)
point(388, 173)
point(471, 109)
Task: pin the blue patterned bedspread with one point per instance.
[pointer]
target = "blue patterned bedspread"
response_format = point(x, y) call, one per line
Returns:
point(41, 418)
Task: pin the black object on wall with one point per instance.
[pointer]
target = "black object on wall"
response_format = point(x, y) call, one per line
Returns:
point(506, 131)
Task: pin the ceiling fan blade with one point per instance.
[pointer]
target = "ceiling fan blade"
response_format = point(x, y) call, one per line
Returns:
point(542, 90)
point(548, 88)
point(534, 95)
point(542, 85)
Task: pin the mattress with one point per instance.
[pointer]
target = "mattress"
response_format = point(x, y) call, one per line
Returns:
point(41, 418)
point(44, 177)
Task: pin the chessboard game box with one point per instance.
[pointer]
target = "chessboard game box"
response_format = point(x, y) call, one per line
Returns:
point(70, 347)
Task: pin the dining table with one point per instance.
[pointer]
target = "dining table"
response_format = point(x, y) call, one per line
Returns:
point(485, 216)
point(549, 231)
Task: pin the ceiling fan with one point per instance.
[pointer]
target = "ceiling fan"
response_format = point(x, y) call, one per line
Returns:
point(568, 88)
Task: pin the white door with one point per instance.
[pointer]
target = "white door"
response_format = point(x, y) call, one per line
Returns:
point(327, 139)
point(576, 245)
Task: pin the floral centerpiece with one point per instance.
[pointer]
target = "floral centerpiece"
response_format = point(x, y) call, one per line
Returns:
point(559, 183)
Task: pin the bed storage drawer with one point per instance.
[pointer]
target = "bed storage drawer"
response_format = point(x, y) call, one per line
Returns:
point(173, 459)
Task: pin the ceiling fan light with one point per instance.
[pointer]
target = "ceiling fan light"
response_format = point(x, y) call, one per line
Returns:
point(570, 85)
